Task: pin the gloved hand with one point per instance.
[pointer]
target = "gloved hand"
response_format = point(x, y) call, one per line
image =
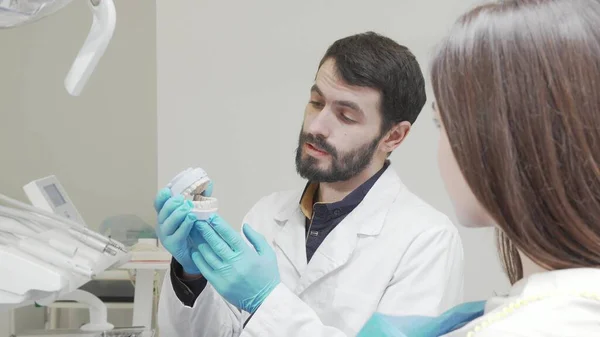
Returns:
point(242, 274)
point(174, 224)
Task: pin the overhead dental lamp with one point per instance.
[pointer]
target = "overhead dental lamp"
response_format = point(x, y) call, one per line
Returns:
point(15, 13)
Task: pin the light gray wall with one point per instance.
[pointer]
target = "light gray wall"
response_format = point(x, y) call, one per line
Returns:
point(233, 80)
point(4, 325)
point(101, 145)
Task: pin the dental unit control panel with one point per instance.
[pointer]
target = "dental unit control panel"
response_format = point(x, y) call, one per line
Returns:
point(48, 194)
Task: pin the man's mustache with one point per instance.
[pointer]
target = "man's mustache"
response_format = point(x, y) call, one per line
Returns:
point(318, 142)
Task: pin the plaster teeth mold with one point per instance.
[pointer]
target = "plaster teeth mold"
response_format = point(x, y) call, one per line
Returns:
point(191, 183)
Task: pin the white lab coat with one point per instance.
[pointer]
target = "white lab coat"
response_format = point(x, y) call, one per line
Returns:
point(562, 303)
point(393, 254)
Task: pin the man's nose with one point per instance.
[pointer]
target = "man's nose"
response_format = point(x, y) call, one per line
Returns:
point(319, 124)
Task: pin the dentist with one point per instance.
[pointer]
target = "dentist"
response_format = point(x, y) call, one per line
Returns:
point(321, 260)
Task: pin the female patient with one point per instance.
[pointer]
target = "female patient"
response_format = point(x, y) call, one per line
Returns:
point(517, 87)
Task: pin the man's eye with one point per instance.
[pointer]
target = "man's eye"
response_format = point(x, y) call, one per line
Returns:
point(347, 119)
point(316, 104)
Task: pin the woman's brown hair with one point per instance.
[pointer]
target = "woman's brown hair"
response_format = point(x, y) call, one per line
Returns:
point(517, 86)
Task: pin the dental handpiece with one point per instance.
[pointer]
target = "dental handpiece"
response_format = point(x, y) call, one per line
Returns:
point(39, 216)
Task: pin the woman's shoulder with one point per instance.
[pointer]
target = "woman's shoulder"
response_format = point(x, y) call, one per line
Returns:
point(550, 315)
point(553, 303)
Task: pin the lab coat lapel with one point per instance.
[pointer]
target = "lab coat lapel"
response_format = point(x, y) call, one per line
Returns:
point(290, 238)
point(367, 219)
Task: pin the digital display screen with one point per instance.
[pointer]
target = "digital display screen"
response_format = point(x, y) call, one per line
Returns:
point(54, 195)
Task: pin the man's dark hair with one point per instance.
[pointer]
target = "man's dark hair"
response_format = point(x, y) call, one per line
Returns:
point(378, 62)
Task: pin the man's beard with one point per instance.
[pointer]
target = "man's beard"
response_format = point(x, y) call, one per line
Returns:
point(343, 166)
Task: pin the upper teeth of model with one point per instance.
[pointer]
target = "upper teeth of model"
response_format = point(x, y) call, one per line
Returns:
point(194, 193)
point(195, 188)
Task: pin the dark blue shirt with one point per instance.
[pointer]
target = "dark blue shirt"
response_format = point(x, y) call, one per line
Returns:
point(322, 218)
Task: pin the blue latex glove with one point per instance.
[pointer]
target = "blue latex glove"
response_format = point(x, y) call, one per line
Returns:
point(243, 275)
point(422, 326)
point(174, 225)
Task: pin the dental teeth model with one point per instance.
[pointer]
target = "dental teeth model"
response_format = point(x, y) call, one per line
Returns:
point(191, 183)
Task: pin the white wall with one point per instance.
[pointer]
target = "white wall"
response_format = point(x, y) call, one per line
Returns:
point(233, 80)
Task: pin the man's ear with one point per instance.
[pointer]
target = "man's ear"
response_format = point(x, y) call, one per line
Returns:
point(395, 136)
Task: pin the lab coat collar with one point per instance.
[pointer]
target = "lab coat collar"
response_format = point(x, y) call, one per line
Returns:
point(575, 281)
point(379, 198)
point(366, 219)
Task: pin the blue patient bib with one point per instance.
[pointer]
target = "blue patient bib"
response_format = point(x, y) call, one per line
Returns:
point(422, 326)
